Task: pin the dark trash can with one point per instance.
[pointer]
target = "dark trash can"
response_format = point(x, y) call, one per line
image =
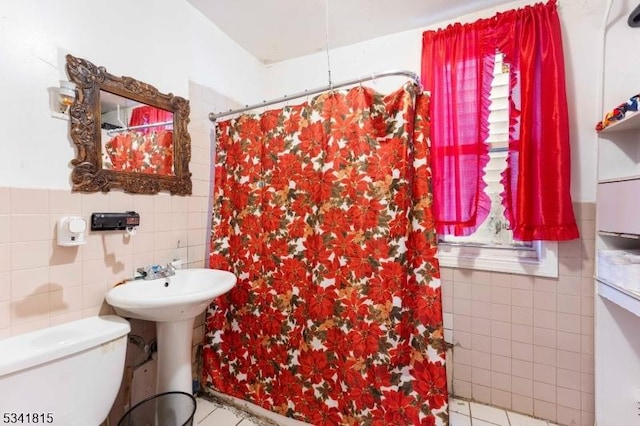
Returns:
point(164, 409)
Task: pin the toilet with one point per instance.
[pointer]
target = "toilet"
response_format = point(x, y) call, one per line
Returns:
point(67, 374)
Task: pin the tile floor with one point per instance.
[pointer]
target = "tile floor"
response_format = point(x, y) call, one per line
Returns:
point(213, 414)
point(462, 413)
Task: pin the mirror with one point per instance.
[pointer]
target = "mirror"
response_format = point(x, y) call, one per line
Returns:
point(127, 134)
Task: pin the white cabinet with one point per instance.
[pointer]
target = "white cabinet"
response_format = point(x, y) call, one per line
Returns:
point(619, 207)
point(617, 299)
point(618, 201)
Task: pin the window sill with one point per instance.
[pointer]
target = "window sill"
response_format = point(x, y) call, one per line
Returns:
point(541, 262)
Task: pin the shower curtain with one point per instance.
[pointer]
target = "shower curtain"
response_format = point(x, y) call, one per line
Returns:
point(323, 211)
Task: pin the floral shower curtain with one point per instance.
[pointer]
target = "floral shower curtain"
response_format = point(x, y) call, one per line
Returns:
point(323, 211)
point(143, 150)
point(138, 152)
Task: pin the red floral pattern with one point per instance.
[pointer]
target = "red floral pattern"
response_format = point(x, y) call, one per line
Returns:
point(140, 152)
point(323, 211)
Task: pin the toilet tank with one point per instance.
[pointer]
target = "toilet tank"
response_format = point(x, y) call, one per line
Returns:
point(67, 375)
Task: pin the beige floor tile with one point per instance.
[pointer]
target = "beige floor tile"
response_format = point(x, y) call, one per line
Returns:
point(457, 419)
point(522, 420)
point(249, 422)
point(488, 414)
point(477, 422)
point(221, 417)
point(203, 409)
point(459, 406)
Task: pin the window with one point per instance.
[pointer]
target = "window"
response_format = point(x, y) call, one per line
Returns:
point(492, 246)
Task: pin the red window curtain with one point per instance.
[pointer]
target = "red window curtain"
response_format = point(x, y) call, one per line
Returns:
point(147, 114)
point(457, 68)
point(537, 199)
point(537, 196)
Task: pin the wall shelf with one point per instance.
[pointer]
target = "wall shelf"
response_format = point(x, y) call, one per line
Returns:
point(622, 297)
point(619, 234)
point(631, 121)
point(620, 179)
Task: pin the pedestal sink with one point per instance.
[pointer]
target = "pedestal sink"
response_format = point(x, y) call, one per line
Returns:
point(173, 303)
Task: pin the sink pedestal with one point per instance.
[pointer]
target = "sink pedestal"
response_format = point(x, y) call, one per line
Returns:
point(174, 355)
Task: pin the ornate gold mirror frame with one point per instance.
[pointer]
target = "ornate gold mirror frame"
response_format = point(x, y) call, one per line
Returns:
point(88, 174)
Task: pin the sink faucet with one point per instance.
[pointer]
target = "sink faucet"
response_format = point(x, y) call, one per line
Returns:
point(156, 271)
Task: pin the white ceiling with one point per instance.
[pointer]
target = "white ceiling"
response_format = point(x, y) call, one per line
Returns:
point(276, 30)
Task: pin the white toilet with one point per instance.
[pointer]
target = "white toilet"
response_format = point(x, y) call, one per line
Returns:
point(66, 375)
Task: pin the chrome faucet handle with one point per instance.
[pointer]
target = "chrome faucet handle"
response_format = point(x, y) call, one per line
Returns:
point(155, 271)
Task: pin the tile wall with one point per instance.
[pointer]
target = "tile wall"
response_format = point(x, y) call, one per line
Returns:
point(526, 343)
point(43, 284)
point(521, 343)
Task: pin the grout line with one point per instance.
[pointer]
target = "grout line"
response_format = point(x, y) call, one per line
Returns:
point(205, 417)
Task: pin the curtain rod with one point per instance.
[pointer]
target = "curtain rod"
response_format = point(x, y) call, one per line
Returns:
point(214, 116)
point(141, 126)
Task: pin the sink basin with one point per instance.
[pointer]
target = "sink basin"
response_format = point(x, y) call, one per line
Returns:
point(179, 297)
point(173, 303)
